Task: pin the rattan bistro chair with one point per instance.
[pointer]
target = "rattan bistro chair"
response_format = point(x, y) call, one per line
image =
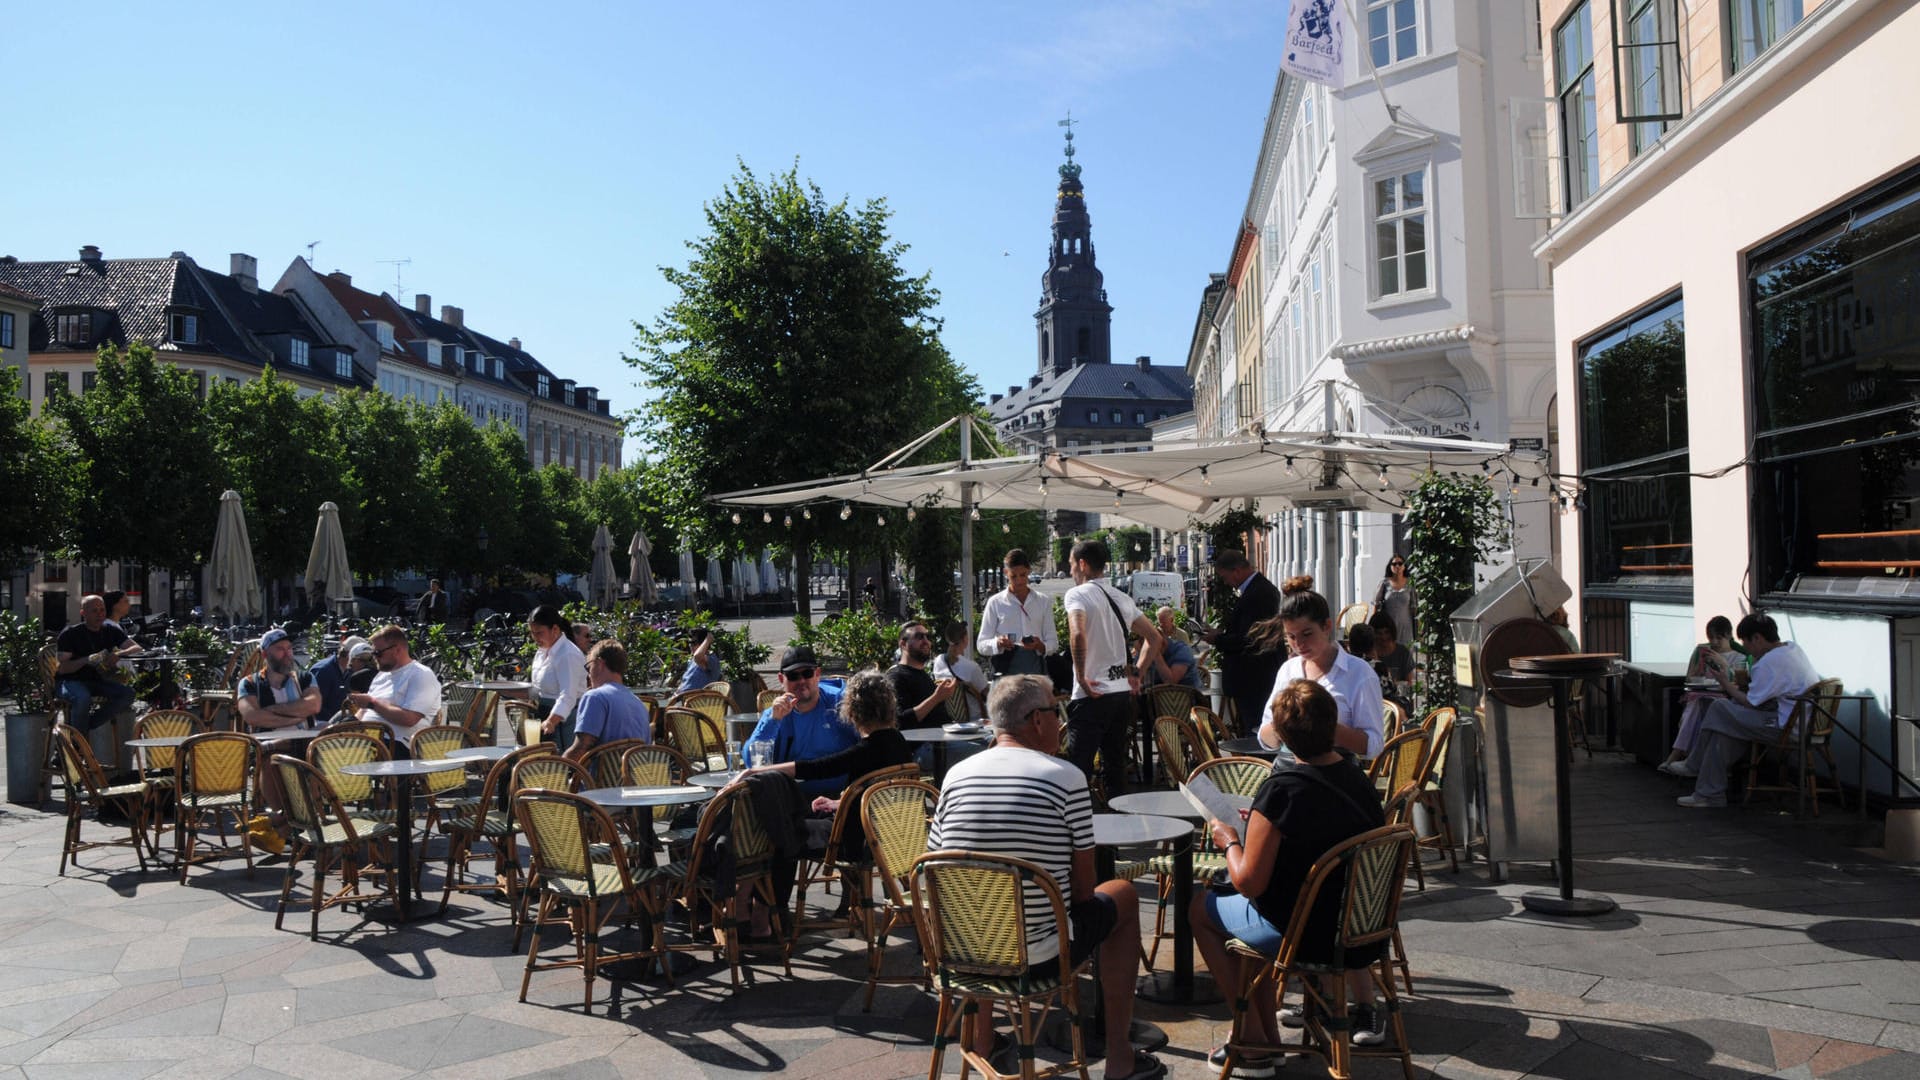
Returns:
point(846, 859)
point(325, 829)
point(1179, 747)
point(975, 907)
point(896, 814)
point(1233, 775)
point(213, 782)
point(581, 866)
point(710, 702)
point(707, 900)
point(484, 819)
point(696, 735)
point(332, 750)
point(1809, 731)
point(653, 765)
point(1370, 870)
point(763, 700)
point(606, 764)
point(157, 761)
point(87, 792)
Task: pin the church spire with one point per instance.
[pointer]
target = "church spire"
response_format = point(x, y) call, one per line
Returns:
point(1074, 320)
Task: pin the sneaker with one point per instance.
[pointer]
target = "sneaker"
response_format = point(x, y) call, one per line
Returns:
point(1678, 768)
point(1292, 1017)
point(1248, 1068)
point(1369, 1028)
point(1701, 802)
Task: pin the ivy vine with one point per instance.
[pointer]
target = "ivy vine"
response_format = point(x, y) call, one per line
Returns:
point(1454, 521)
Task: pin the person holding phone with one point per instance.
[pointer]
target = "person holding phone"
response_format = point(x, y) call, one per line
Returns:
point(1718, 654)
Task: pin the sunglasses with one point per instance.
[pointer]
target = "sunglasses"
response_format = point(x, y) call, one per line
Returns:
point(384, 650)
point(799, 674)
point(917, 636)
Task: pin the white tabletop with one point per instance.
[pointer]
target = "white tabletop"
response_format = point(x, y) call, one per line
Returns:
point(403, 767)
point(646, 796)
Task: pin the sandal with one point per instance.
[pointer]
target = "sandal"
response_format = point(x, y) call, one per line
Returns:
point(1145, 1067)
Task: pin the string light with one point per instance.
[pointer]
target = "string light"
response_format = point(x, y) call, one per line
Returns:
point(976, 513)
point(1204, 478)
point(1383, 476)
point(766, 517)
point(806, 513)
point(881, 518)
point(846, 512)
point(736, 517)
point(787, 521)
point(1291, 471)
point(1005, 527)
point(1117, 496)
point(910, 513)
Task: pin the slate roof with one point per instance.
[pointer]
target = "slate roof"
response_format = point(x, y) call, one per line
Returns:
point(22, 295)
point(1156, 383)
point(361, 305)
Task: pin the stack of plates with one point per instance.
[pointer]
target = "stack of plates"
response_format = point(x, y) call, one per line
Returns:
point(963, 729)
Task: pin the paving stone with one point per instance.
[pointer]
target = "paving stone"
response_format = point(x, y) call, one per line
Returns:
point(98, 1070)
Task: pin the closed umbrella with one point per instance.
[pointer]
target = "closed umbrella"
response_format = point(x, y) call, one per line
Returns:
point(600, 583)
point(686, 574)
point(745, 581)
point(639, 574)
point(231, 579)
point(716, 588)
point(328, 577)
point(769, 577)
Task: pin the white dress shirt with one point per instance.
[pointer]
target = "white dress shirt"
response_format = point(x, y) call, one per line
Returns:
point(560, 673)
point(1007, 614)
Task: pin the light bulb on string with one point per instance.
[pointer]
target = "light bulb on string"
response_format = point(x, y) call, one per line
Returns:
point(766, 517)
point(736, 517)
point(787, 521)
point(910, 513)
point(1204, 478)
point(1005, 528)
point(846, 512)
point(976, 514)
point(1383, 476)
point(1291, 471)
point(806, 513)
point(1117, 496)
point(881, 518)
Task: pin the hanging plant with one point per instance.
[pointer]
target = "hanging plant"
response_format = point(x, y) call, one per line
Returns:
point(1454, 521)
point(1232, 530)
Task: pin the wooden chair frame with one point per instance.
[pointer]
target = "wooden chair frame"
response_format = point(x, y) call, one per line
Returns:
point(1809, 730)
point(324, 829)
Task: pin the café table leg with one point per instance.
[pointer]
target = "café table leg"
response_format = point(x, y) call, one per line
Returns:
point(1141, 1034)
point(1182, 986)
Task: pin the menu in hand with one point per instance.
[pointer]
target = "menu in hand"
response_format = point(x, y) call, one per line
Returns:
point(1208, 799)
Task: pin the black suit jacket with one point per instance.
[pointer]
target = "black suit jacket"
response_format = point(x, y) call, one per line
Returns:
point(1242, 667)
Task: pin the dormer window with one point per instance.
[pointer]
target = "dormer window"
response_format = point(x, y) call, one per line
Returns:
point(73, 329)
point(543, 386)
point(343, 364)
point(184, 329)
point(297, 352)
point(385, 334)
point(499, 368)
point(1093, 416)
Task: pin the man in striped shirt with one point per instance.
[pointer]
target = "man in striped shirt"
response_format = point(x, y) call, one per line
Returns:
point(1018, 798)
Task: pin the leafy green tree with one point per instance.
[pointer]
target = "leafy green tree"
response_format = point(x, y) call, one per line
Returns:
point(278, 456)
point(388, 511)
point(36, 472)
point(796, 348)
point(559, 532)
point(471, 482)
point(150, 477)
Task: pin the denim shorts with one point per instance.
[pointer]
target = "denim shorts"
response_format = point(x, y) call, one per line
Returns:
point(1236, 915)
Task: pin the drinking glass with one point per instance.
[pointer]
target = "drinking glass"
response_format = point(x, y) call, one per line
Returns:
point(760, 752)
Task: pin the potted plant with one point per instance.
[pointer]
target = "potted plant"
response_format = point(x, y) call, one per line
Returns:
point(30, 705)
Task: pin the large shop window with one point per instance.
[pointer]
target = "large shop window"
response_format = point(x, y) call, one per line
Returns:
point(1633, 443)
point(1836, 402)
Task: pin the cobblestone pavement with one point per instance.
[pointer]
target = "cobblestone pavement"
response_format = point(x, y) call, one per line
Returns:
point(1746, 943)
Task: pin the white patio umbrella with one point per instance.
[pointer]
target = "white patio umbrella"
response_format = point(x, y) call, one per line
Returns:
point(716, 588)
point(686, 573)
point(639, 573)
point(231, 578)
point(328, 576)
point(600, 581)
point(769, 577)
point(746, 581)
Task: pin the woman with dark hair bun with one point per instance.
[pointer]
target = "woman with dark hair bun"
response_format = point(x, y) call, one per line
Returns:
point(559, 672)
point(1305, 625)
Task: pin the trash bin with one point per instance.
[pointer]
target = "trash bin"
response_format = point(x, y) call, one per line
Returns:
point(27, 735)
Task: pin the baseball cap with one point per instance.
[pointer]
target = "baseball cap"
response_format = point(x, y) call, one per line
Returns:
point(364, 648)
point(351, 644)
point(797, 656)
point(272, 637)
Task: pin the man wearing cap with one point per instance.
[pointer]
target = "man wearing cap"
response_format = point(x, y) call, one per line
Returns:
point(804, 722)
point(405, 695)
point(279, 694)
point(330, 675)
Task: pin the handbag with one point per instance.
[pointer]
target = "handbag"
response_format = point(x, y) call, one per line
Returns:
point(1127, 668)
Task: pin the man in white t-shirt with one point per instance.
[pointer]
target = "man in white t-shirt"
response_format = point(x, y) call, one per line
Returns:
point(405, 695)
point(1098, 619)
point(1781, 672)
point(1018, 798)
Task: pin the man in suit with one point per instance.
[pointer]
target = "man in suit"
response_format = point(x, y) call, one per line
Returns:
point(1248, 673)
point(432, 606)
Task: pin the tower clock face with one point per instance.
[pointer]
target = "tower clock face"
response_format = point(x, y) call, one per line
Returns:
point(1436, 410)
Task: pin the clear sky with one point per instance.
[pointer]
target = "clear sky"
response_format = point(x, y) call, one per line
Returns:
point(539, 162)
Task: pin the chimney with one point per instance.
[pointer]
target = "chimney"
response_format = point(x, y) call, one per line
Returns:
point(1012, 390)
point(423, 304)
point(451, 315)
point(1032, 380)
point(341, 276)
point(514, 343)
point(90, 253)
point(993, 399)
point(9, 260)
point(1143, 362)
point(245, 270)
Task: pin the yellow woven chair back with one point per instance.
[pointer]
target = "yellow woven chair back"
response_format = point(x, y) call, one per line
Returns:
point(477, 714)
point(895, 814)
point(976, 904)
point(653, 765)
point(246, 660)
point(1236, 775)
point(311, 802)
point(708, 702)
point(165, 724)
point(751, 844)
point(1446, 713)
point(560, 827)
point(1172, 700)
point(1401, 759)
point(549, 773)
point(603, 763)
point(78, 767)
point(693, 733)
point(49, 668)
point(215, 763)
point(1206, 719)
point(1376, 871)
point(1172, 738)
point(856, 793)
point(434, 744)
point(454, 703)
point(765, 699)
point(334, 750)
point(1439, 725)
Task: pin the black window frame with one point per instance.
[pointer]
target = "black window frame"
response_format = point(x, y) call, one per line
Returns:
point(6, 329)
point(1734, 55)
point(1583, 80)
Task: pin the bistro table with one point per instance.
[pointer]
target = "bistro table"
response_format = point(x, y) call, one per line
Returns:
point(1185, 987)
point(1112, 831)
point(166, 691)
point(940, 737)
point(714, 781)
point(636, 798)
point(403, 772)
point(507, 689)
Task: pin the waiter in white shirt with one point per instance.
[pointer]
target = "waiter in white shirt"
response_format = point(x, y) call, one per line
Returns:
point(1016, 627)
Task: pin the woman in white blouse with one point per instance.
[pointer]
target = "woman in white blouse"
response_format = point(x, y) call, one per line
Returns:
point(559, 672)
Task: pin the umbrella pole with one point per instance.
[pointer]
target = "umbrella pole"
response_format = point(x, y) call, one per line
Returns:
point(966, 533)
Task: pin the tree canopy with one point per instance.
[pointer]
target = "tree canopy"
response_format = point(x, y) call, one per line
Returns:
point(34, 474)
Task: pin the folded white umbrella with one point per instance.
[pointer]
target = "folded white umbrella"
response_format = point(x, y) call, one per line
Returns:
point(328, 576)
point(231, 578)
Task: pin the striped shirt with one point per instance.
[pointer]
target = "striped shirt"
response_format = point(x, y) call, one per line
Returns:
point(1009, 800)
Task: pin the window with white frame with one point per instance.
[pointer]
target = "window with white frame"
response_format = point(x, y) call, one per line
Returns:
point(1316, 289)
point(1752, 26)
point(1400, 233)
point(1393, 31)
point(385, 333)
point(343, 364)
point(184, 329)
point(1093, 416)
point(297, 352)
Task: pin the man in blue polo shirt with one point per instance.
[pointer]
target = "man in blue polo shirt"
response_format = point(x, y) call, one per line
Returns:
point(804, 722)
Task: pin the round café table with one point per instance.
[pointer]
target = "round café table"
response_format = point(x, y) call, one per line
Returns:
point(941, 738)
point(714, 781)
point(1249, 746)
point(403, 772)
point(1185, 986)
point(166, 691)
point(481, 753)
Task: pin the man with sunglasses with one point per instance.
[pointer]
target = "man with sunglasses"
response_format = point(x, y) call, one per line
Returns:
point(804, 722)
point(405, 696)
point(920, 698)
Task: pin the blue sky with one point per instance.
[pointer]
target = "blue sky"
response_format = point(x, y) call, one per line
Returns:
point(538, 163)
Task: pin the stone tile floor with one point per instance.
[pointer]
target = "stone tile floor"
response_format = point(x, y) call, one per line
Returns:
point(1746, 944)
